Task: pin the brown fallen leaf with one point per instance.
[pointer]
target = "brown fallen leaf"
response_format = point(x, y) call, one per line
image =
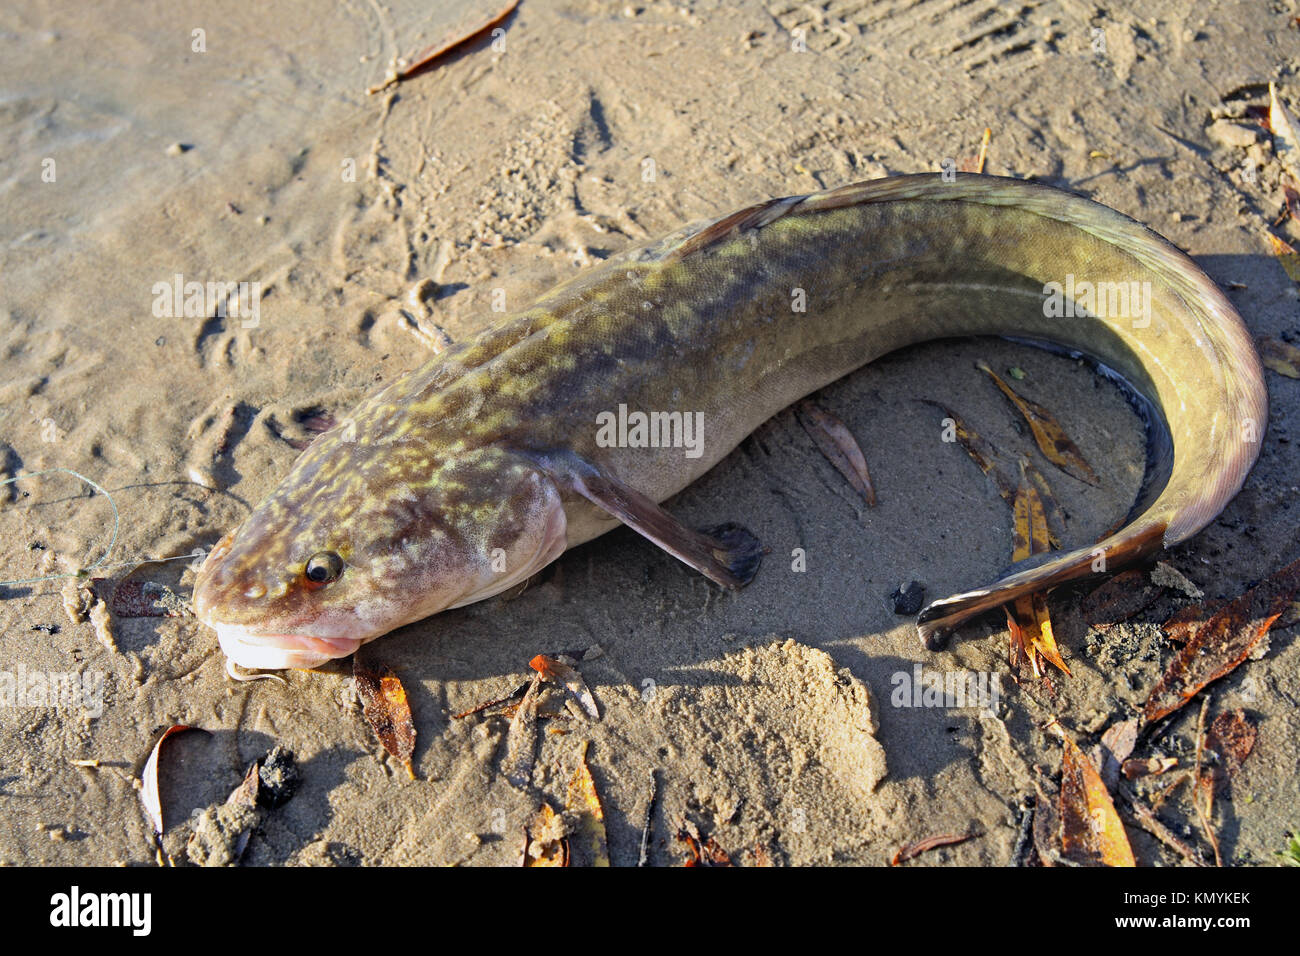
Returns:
point(149, 778)
point(1286, 256)
point(1028, 620)
point(583, 801)
point(1150, 767)
point(761, 855)
point(1221, 642)
point(1231, 736)
point(1116, 744)
point(1286, 135)
point(1182, 625)
point(478, 708)
point(1281, 357)
point(981, 452)
point(704, 852)
point(245, 795)
point(545, 842)
point(386, 709)
point(841, 449)
point(557, 671)
point(1091, 831)
point(1050, 437)
point(426, 58)
point(912, 850)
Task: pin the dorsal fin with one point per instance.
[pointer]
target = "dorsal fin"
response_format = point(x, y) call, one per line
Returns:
point(751, 217)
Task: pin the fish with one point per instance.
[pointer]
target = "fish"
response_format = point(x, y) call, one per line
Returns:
point(473, 471)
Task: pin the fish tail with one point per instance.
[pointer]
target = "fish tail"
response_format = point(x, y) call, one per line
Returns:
point(1131, 543)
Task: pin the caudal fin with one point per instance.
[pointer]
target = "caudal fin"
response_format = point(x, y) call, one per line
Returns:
point(1131, 543)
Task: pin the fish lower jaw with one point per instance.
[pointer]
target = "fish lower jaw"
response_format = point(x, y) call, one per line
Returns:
point(262, 651)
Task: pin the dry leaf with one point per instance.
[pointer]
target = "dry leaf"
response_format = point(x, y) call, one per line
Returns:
point(703, 852)
point(1028, 620)
point(1232, 737)
point(1286, 143)
point(1052, 441)
point(386, 709)
point(545, 842)
point(558, 672)
point(517, 692)
point(913, 850)
point(1286, 255)
point(1091, 830)
point(1281, 357)
point(1218, 644)
point(452, 41)
point(245, 795)
point(762, 856)
point(839, 446)
point(1116, 744)
point(584, 802)
point(1055, 516)
point(149, 777)
point(1151, 767)
point(981, 452)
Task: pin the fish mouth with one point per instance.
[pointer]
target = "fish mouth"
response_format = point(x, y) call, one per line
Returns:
point(261, 650)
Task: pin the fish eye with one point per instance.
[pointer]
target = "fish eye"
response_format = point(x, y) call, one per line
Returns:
point(324, 567)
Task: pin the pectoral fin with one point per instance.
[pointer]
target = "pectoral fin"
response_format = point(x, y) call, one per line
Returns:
point(727, 554)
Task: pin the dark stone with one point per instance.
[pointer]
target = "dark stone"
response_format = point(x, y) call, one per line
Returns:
point(908, 598)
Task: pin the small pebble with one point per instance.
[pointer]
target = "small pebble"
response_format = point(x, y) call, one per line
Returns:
point(1227, 133)
point(908, 598)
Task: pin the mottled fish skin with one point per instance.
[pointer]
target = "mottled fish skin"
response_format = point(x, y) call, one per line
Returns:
point(438, 482)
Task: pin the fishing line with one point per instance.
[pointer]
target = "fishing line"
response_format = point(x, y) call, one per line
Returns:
point(194, 555)
point(111, 541)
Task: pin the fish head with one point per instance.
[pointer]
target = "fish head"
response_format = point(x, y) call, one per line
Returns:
point(362, 538)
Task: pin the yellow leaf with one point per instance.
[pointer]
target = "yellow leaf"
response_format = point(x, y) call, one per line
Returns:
point(1052, 441)
point(1281, 357)
point(1287, 256)
point(546, 845)
point(584, 801)
point(1027, 618)
point(1090, 828)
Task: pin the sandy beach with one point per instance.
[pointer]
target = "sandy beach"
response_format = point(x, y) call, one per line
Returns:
point(151, 145)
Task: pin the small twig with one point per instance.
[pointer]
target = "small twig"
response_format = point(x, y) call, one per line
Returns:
point(1144, 817)
point(644, 856)
point(1202, 812)
point(1024, 838)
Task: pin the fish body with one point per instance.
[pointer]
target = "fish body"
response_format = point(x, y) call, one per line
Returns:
point(470, 473)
